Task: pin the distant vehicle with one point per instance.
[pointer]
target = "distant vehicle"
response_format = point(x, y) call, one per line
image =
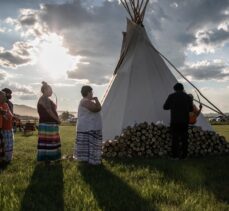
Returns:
point(219, 119)
point(29, 128)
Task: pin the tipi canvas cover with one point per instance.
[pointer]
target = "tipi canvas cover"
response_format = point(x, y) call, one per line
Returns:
point(141, 84)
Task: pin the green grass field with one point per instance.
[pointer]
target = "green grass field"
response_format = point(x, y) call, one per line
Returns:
point(222, 129)
point(127, 184)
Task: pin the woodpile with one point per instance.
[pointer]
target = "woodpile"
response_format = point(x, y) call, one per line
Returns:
point(152, 140)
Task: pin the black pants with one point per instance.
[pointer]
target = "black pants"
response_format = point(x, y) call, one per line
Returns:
point(179, 134)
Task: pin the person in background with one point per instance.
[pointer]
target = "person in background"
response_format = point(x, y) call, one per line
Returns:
point(6, 134)
point(179, 104)
point(195, 113)
point(89, 128)
point(8, 93)
point(49, 146)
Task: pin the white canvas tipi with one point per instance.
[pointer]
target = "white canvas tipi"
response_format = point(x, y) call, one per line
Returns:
point(142, 82)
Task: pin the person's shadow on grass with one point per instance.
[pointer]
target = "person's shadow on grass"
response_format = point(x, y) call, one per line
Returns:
point(110, 191)
point(45, 191)
point(3, 166)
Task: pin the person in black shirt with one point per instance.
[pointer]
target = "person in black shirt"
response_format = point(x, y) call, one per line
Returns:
point(180, 104)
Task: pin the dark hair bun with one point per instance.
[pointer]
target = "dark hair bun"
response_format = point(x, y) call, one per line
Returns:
point(7, 90)
point(44, 86)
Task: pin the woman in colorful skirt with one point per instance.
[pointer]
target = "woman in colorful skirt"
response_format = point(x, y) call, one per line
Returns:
point(48, 131)
point(6, 134)
point(89, 129)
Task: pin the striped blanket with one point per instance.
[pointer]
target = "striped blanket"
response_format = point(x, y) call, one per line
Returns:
point(48, 142)
point(8, 138)
point(89, 146)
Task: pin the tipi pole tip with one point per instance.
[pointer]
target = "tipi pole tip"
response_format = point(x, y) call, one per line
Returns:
point(136, 9)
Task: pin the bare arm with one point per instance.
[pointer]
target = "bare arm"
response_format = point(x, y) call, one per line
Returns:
point(197, 111)
point(53, 115)
point(92, 106)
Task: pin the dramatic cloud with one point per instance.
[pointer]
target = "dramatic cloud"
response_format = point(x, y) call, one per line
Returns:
point(9, 59)
point(3, 75)
point(91, 32)
point(22, 49)
point(18, 55)
point(95, 30)
point(16, 87)
point(197, 13)
point(28, 23)
point(181, 26)
point(23, 92)
point(93, 72)
point(206, 70)
point(27, 96)
point(208, 41)
point(66, 15)
point(94, 33)
point(27, 17)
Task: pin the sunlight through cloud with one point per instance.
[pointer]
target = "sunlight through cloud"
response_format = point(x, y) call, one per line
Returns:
point(54, 59)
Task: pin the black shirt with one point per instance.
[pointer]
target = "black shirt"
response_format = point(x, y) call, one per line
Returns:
point(43, 108)
point(180, 104)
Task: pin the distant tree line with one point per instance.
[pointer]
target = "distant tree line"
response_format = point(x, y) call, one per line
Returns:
point(66, 116)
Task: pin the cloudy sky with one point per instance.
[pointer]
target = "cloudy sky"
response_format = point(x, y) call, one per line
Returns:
point(69, 43)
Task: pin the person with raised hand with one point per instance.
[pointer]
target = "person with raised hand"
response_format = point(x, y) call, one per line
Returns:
point(88, 145)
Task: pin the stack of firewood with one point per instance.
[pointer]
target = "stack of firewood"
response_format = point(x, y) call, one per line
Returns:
point(151, 140)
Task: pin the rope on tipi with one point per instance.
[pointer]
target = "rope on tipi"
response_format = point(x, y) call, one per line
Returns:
point(216, 109)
